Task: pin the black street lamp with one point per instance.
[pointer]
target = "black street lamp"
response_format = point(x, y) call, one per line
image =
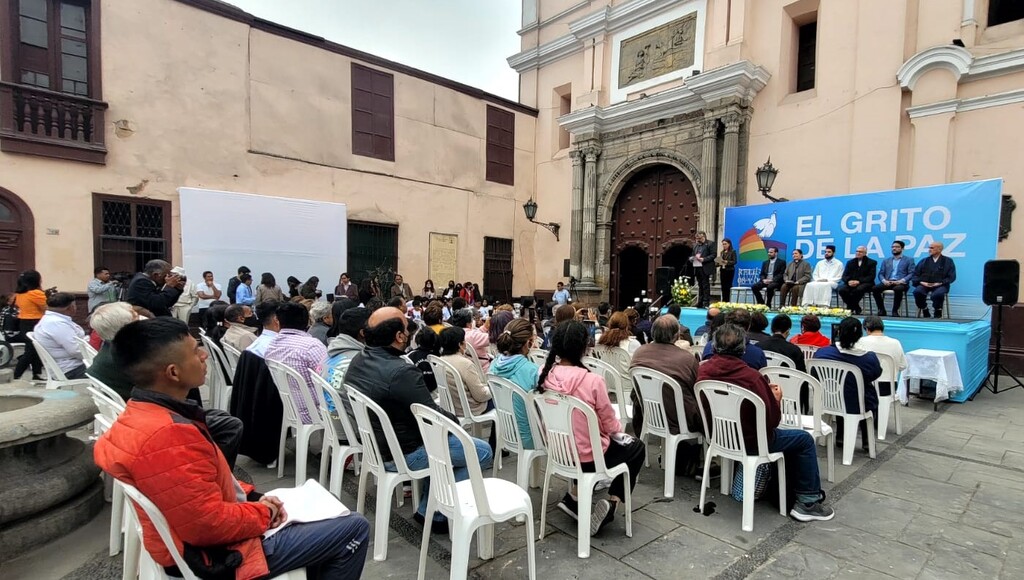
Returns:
point(766, 178)
point(530, 208)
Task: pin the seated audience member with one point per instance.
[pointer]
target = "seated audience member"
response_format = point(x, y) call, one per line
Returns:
point(684, 331)
point(564, 373)
point(214, 323)
point(293, 287)
point(338, 307)
point(320, 316)
point(237, 335)
point(618, 334)
point(346, 345)
point(432, 315)
point(383, 374)
point(603, 313)
point(753, 355)
point(476, 338)
point(187, 300)
point(427, 343)
point(309, 290)
point(56, 333)
point(294, 347)
point(876, 341)
point(156, 288)
point(810, 332)
point(513, 344)
point(758, 324)
point(266, 312)
point(706, 329)
point(778, 342)
point(497, 324)
point(850, 331)
point(161, 445)
point(796, 444)
point(453, 346)
point(106, 320)
point(662, 355)
point(635, 325)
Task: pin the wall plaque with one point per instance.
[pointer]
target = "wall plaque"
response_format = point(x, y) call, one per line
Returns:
point(443, 260)
point(661, 50)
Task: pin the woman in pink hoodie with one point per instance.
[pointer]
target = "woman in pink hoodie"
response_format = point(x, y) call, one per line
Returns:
point(564, 373)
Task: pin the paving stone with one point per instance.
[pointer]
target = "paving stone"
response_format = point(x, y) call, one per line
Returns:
point(972, 474)
point(968, 425)
point(944, 441)
point(798, 562)
point(402, 562)
point(725, 523)
point(954, 562)
point(862, 548)
point(1014, 459)
point(929, 532)
point(683, 553)
point(988, 448)
point(997, 520)
point(876, 513)
point(1013, 564)
point(940, 499)
point(923, 464)
point(996, 496)
point(556, 558)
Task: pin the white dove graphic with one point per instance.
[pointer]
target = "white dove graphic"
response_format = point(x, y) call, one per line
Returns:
point(765, 226)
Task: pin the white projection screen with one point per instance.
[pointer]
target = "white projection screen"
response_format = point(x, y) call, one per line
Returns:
point(222, 230)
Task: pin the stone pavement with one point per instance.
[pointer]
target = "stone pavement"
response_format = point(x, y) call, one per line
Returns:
point(943, 500)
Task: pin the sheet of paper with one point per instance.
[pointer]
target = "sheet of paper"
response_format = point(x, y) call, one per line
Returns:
point(310, 502)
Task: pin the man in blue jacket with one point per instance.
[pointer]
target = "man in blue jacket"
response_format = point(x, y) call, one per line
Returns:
point(895, 274)
point(932, 277)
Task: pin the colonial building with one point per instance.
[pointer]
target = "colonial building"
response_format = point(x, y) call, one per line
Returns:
point(654, 114)
point(107, 107)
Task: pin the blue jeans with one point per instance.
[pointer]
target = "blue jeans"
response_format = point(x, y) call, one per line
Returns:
point(418, 460)
point(334, 548)
point(801, 461)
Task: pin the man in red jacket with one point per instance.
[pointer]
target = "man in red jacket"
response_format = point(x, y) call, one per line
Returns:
point(797, 444)
point(161, 445)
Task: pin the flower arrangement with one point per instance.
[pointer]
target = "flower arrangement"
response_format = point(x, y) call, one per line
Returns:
point(684, 291)
point(727, 306)
point(820, 311)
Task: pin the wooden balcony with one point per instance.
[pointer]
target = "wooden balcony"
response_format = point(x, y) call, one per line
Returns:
point(37, 121)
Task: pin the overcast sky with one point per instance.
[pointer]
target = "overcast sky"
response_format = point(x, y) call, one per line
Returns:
point(464, 40)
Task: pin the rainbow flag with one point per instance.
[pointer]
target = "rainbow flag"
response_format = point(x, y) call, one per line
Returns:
point(752, 248)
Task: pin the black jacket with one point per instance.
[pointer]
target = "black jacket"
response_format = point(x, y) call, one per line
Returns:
point(389, 380)
point(928, 270)
point(707, 254)
point(255, 400)
point(780, 345)
point(865, 273)
point(777, 275)
point(143, 292)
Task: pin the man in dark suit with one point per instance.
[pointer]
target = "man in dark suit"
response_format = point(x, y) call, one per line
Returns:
point(858, 279)
point(773, 271)
point(895, 274)
point(932, 276)
point(703, 260)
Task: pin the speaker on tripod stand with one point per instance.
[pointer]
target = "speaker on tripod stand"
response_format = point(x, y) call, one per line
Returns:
point(1000, 287)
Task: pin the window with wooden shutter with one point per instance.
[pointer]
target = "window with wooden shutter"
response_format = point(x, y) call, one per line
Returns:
point(498, 269)
point(501, 137)
point(131, 232)
point(807, 49)
point(373, 113)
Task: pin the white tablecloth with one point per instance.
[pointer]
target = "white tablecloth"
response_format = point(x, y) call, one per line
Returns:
point(937, 365)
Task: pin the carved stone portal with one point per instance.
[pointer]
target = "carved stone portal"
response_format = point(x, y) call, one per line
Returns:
point(658, 51)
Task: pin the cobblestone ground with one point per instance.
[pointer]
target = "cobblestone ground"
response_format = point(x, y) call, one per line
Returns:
point(943, 500)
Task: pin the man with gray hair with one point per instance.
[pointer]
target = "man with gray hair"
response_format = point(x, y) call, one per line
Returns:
point(797, 445)
point(106, 321)
point(56, 333)
point(321, 320)
point(664, 356)
point(858, 279)
point(238, 335)
point(156, 288)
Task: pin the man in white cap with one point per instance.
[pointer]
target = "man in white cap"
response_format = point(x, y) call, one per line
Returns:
point(188, 299)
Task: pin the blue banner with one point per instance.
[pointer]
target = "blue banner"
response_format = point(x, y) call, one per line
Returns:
point(962, 216)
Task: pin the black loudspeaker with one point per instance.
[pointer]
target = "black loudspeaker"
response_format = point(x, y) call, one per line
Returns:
point(565, 268)
point(663, 280)
point(1001, 282)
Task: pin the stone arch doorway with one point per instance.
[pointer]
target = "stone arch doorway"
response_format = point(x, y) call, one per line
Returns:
point(657, 213)
point(17, 239)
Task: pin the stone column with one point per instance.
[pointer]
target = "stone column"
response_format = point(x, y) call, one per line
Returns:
point(603, 272)
point(708, 200)
point(589, 256)
point(730, 168)
point(576, 231)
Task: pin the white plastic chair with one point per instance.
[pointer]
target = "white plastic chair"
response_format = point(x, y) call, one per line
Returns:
point(832, 375)
point(477, 502)
point(537, 356)
point(448, 377)
point(791, 381)
point(724, 432)
point(619, 358)
point(55, 377)
point(149, 568)
point(291, 420)
point(808, 350)
point(443, 395)
point(88, 352)
point(110, 405)
point(477, 363)
point(651, 382)
point(505, 392)
point(613, 380)
point(335, 428)
point(373, 463)
point(779, 360)
point(886, 403)
point(232, 355)
point(216, 379)
point(556, 412)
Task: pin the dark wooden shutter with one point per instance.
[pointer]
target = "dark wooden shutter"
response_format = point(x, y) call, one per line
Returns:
point(373, 113)
point(501, 138)
point(498, 268)
point(130, 233)
point(371, 246)
point(806, 56)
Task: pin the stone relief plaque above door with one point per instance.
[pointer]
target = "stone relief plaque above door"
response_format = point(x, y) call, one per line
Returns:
point(667, 48)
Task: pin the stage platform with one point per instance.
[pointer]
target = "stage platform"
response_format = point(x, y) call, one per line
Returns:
point(969, 339)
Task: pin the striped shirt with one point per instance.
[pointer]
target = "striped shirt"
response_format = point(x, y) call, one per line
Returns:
point(303, 353)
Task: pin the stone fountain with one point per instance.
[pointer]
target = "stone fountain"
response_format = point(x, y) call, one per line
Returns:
point(49, 484)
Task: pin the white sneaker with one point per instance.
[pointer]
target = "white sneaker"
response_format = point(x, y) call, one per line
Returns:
point(603, 484)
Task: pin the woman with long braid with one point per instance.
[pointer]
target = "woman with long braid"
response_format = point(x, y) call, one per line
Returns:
point(564, 373)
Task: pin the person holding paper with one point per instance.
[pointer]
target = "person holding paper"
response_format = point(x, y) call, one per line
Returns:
point(161, 445)
point(703, 261)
